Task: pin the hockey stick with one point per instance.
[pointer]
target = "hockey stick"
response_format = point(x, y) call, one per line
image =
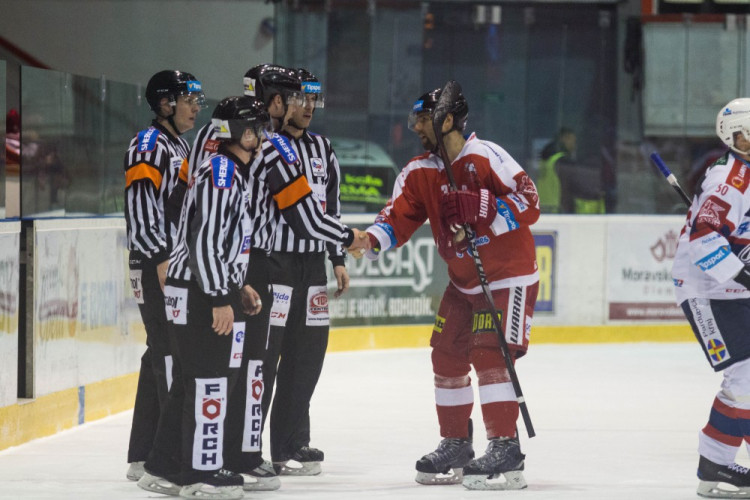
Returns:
point(671, 179)
point(448, 95)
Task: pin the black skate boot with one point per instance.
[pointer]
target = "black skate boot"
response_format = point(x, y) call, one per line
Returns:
point(222, 485)
point(304, 462)
point(445, 464)
point(503, 456)
point(711, 474)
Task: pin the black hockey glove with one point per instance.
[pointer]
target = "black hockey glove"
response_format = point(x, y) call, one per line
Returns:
point(743, 277)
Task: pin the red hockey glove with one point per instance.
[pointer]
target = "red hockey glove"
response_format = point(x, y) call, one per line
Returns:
point(447, 243)
point(445, 246)
point(469, 207)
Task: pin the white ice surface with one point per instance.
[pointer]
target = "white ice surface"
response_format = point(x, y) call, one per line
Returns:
point(613, 422)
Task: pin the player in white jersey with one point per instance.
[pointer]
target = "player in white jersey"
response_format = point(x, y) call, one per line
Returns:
point(712, 283)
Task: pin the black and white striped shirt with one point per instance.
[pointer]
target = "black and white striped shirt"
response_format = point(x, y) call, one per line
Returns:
point(321, 168)
point(213, 239)
point(152, 165)
point(279, 189)
point(204, 145)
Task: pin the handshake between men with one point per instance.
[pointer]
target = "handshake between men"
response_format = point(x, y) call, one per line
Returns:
point(362, 243)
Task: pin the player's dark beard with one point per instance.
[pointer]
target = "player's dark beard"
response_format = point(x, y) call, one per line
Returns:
point(428, 145)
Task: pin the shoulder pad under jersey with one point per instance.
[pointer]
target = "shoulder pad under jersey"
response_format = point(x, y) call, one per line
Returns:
point(738, 176)
point(222, 170)
point(283, 147)
point(147, 139)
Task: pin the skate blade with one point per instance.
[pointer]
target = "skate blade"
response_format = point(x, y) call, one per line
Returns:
point(294, 468)
point(207, 492)
point(253, 483)
point(513, 480)
point(430, 478)
point(711, 489)
point(157, 484)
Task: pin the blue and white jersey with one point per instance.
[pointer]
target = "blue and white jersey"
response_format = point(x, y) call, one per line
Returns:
point(714, 244)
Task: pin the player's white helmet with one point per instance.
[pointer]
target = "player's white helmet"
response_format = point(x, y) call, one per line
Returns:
point(733, 118)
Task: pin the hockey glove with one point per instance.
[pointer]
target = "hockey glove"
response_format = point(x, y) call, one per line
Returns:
point(445, 246)
point(468, 207)
point(743, 278)
point(448, 245)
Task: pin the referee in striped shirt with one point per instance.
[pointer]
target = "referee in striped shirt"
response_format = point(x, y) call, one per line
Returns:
point(278, 190)
point(205, 301)
point(299, 317)
point(152, 163)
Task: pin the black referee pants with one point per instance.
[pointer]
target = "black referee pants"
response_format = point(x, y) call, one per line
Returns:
point(156, 363)
point(193, 432)
point(297, 348)
point(244, 447)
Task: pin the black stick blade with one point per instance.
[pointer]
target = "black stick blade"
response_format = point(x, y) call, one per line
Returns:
point(448, 96)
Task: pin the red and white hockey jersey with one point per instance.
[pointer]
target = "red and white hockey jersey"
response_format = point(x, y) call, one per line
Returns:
point(506, 247)
point(714, 244)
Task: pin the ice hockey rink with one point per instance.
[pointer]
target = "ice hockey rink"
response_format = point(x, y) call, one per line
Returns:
point(613, 421)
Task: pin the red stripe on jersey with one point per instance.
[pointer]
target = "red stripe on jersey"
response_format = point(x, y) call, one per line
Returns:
point(724, 409)
point(729, 412)
point(710, 431)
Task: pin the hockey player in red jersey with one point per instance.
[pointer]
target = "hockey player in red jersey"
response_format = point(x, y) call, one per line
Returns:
point(499, 201)
point(712, 285)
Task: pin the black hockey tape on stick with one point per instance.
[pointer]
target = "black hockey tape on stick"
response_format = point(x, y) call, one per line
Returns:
point(448, 95)
point(671, 179)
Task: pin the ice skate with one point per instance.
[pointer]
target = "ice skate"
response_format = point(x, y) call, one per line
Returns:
point(261, 478)
point(723, 481)
point(223, 485)
point(445, 464)
point(135, 471)
point(304, 462)
point(503, 457)
point(158, 484)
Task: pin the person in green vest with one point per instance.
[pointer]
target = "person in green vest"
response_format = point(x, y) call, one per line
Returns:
point(563, 185)
point(548, 185)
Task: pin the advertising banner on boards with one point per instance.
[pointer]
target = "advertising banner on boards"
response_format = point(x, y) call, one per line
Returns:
point(639, 270)
point(404, 286)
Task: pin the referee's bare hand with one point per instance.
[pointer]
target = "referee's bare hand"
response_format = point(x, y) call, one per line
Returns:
point(251, 304)
point(223, 320)
point(360, 244)
point(161, 273)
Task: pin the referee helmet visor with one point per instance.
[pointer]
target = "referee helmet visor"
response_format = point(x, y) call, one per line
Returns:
point(234, 115)
point(173, 84)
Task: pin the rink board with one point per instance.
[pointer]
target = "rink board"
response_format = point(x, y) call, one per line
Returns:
point(602, 279)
